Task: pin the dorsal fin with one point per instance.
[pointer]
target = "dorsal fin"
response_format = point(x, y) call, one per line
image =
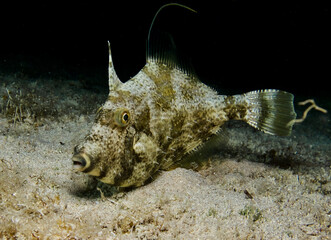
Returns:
point(113, 80)
point(161, 48)
point(158, 11)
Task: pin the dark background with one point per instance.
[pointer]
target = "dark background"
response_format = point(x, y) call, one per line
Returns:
point(235, 46)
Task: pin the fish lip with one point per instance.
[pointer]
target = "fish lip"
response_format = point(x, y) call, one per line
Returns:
point(80, 162)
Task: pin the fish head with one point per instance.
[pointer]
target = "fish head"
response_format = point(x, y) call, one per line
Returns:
point(107, 150)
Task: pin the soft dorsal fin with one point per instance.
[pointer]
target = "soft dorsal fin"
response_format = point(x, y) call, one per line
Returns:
point(161, 48)
point(113, 80)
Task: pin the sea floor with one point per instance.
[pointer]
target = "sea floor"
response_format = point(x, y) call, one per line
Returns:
point(249, 186)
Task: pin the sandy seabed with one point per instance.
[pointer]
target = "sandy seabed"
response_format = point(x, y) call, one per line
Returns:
point(250, 186)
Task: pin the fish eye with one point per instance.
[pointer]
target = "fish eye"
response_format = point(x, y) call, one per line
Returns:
point(125, 117)
point(122, 117)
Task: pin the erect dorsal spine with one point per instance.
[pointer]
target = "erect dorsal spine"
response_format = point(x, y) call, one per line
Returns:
point(113, 80)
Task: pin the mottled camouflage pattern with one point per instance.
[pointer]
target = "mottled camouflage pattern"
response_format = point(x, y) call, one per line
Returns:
point(161, 115)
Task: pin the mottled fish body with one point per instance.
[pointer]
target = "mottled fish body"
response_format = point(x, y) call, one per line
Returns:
point(163, 114)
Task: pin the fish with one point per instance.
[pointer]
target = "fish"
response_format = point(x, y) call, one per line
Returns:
point(165, 113)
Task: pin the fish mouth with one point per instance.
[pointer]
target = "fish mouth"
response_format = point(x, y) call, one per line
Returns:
point(80, 162)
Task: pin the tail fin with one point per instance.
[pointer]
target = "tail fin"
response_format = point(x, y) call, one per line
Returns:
point(270, 111)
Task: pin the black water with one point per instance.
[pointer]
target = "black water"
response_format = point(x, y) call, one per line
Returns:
point(235, 46)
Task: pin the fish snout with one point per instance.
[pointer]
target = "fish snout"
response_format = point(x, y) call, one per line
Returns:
point(81, 161)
